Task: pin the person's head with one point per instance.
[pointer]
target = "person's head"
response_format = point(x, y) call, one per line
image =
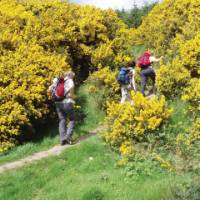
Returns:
point(69, 74)
point(131, 64)
point(148, 53)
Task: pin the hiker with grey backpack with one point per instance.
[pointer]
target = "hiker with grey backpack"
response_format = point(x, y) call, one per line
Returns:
point(62, 92)
point(126, 79)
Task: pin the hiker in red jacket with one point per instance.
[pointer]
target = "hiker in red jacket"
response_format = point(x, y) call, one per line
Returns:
point(62, 91)
point(147, 71)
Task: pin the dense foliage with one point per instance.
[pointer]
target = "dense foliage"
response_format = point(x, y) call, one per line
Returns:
point(172, 29)
point(131, 123)
point(42, 39)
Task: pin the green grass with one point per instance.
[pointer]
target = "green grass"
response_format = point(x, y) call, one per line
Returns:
point(180, 116)
point(73, 176)
point(88, 118)
point(180, 121)
point(90, 115)
point(87, 171)
point(137, 51)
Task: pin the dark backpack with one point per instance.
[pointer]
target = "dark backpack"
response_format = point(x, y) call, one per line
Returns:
point(123, 76)
point(144, 60)
point(58, 92)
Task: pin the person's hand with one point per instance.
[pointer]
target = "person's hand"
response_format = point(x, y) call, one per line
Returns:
point(49, 93)
point(50, 88)
point(129, 87)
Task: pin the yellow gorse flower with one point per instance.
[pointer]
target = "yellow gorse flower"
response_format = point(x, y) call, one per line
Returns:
point(126, 121)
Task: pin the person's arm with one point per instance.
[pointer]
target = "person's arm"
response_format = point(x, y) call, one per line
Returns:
point(133, 83)
point(52, 86)
point(133, 80)
point(69, 84)
point(154, 59)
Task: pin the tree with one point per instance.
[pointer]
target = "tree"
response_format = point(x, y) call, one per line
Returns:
point(133, 17)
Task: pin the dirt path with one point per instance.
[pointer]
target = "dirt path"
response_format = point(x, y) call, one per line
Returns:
point(56, 150)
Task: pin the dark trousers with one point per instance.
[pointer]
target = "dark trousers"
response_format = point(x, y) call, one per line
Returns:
point(65, 111)
point(145, 74)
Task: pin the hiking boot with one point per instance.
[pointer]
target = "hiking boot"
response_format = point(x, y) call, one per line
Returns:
point(69, 140)
point(152, 91)
point(63, 142)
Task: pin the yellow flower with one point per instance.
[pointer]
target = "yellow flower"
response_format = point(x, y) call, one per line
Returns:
point(126, 122)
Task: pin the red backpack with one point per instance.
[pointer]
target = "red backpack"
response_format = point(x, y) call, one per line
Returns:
point(144, 61)
point(58, 92)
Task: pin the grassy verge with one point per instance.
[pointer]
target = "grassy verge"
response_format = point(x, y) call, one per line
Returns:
point(88, 118)
point(83, 172)
point(90, 114)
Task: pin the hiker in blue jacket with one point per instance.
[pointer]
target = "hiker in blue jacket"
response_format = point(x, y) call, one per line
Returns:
point(129, 83)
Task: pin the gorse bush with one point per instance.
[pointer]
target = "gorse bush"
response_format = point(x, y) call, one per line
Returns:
point(105, 80)
point(40, 40)
point(191, 94)
point(128, 123)
point(169, 25)
point(25, 76)
point(190, 53)
point(172, 29)
point(172, 78)
point(196, 129)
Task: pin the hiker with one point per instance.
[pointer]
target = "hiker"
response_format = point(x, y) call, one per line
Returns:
point(147, 71)
point(126, 78)
point(64, 105)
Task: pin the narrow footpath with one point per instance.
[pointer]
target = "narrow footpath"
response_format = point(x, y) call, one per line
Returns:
point(56, 150)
